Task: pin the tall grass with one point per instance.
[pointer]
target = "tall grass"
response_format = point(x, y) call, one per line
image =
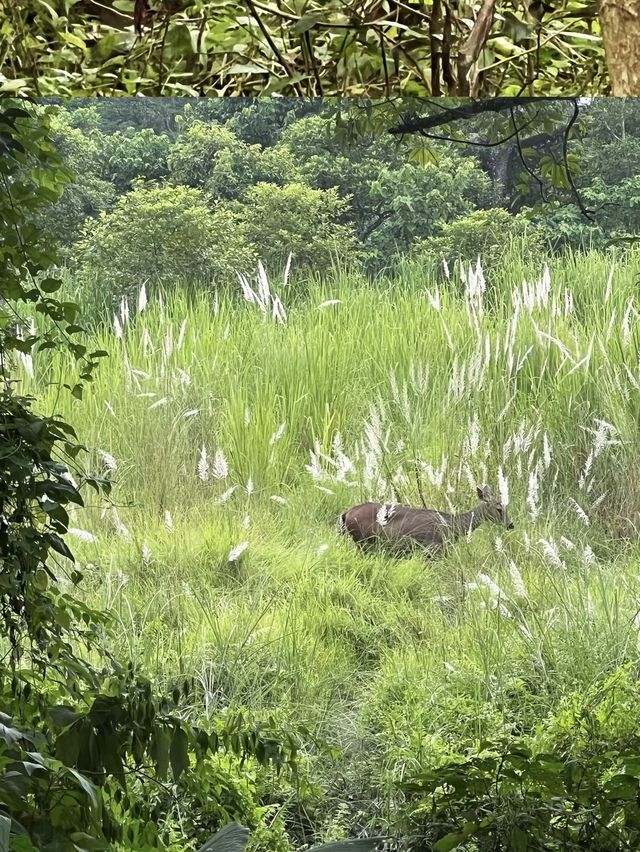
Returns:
point(236, 429)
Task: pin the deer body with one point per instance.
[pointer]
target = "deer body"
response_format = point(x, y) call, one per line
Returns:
point(403, 528)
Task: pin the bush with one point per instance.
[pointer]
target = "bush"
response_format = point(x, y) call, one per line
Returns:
point(297, 219)
point(235, 170)
point(89, 194)
point(196, 150)
point(262, 121)
point(577, 788)
point(162, 234)
point(127, 155)
point(211, 157)
point(489, 234)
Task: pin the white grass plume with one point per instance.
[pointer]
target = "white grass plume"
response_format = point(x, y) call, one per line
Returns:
point(203, 465)
point(278, 433)
point(226, 495)
point(220, 469)
point(83, 535)
point(517, 581)
point(580, 512)
point(237, 551)
point(142, 298)
point(108, 460)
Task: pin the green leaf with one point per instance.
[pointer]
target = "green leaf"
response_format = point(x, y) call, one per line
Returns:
point(110, 755)
point(5, 833)
point(14, 85)
point(70, 38)
point(305, 23)
point(68, 747)
point(364, 844)
point(60, 547)
point(247, 68)
point(179, 753)
point(449, 841)
point(84, 784)
point(160, 745)
point(519, 840)
point(622, 786)
point(231, 838)
point(50, 285)
point(10, 734)
point(84, 842)
point(62, 715)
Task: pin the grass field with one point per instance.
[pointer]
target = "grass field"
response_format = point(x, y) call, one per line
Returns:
point(235, 433)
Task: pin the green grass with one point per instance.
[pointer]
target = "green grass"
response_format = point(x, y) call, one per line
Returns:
point(397, 662)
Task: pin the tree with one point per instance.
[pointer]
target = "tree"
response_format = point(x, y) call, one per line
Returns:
point(263, 120)
point(196, 150)
point(89, 193)
point(299, 220)
point(488, 234)
point(422, 198)
point(621, 31)
point(533, 135)
point(163, 234)
point(126, 155)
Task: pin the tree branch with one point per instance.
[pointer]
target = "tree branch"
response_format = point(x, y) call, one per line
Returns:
point(464, 111)
point(471, 49)
point(445, 115)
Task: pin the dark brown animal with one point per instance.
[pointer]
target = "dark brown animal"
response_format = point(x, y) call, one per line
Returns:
point(403, 529)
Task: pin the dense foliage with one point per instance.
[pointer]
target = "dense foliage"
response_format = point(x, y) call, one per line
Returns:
point(186, 667)
point(201, 190)
point(323, 47)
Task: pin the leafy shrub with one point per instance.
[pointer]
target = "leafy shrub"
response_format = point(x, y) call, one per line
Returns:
point(127, 155)
point(574, 785)
point(163, 234)
point(194, 154)
point(489, 234)
point(504, 796)
point(565, 227)
point(301, 220)
point(211, 157)
point(89, 193)
point(261, 122)
point(85, 198)
point(235, 170)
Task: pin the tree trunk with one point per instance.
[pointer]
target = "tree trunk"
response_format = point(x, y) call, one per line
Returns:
point(620, 22)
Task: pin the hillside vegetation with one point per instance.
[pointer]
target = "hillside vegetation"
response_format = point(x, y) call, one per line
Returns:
point(235, 428)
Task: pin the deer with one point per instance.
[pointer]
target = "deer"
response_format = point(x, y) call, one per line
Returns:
point(402, 529)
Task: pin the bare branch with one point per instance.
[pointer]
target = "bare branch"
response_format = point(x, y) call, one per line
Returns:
point(471, 49)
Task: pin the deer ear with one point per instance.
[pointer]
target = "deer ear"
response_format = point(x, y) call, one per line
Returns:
point(480, 493)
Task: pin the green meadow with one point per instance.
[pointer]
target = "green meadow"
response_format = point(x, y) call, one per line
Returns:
point(237, 426)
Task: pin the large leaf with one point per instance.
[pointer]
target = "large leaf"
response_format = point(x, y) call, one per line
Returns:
point(9, 734)
point(231, 838)
point(5, 832)
point(86, 785)
point(63, 715)
point(363, 844)
point(179, 753)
